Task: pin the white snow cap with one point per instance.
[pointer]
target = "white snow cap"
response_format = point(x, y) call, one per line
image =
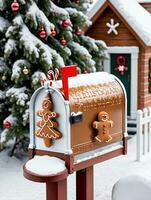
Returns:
point(134, 14)
point(90, 79)
point(45, 165)
point(132, 187)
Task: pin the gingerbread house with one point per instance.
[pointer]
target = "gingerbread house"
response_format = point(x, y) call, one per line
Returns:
point(86, 127)
point(125, 26)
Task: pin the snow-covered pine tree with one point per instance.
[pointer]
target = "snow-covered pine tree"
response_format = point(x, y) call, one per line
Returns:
point(35, 36)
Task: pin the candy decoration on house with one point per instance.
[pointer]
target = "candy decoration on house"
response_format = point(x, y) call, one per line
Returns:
point(121, 68)
point(47, 127)
point(15, 6)
point(66, 23)
point(7, 124)
point(112, 27)
point(43, 33)
point(103, 125)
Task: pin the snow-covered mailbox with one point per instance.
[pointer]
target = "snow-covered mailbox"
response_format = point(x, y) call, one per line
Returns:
point(81, 121)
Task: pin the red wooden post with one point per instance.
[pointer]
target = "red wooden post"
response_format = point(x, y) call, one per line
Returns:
point(56, 190)
point(66, 72)
point(84, 184)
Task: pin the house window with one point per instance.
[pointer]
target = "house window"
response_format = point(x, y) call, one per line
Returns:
point(149, 75)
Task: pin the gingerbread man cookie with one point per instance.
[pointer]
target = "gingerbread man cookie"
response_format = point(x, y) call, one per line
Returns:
point(47, 127)
point(103, 125)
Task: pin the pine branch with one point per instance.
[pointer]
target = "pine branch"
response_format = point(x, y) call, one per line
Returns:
point(78, 18)
point(82, 55)
point(17, 68)
point(3, 66)
point(38, 19)
point(55, 11)
point(10, 47)
point(18, 95)
point(4, 24)
point(34, 49)
point(37, 77)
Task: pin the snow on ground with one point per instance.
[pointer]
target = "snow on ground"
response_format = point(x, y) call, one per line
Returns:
point(13, 186)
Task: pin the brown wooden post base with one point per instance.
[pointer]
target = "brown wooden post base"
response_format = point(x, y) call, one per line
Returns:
point(84, 184)
point(56, 190)
point(56, 185)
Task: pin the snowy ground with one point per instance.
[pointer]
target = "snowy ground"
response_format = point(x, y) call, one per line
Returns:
point(13, 186)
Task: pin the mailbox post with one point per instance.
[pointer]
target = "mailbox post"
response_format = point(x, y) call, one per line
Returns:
point(83, 127)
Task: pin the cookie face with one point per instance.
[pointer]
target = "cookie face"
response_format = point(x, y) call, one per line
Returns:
point(103, 116)
point(47, 104)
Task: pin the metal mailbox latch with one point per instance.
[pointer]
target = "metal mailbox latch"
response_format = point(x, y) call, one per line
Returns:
point(76, 117)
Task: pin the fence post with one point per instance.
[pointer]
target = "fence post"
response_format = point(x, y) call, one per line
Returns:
point(149, 129)
point(145, 112)
point(139, 134)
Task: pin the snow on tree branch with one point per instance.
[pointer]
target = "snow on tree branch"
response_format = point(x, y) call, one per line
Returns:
point(26, 115)
point(101, 43)
point(17, 68)
point(38, 76)
point(18, 95)
point(56, 11)
point(89, 43)
point(3, 4)
point(10, 47)
point(35, 48)
point(29, 44)
point(38, 19)
point(81, 52)
point(4, 24)
point(79, 18)
point(3, 135)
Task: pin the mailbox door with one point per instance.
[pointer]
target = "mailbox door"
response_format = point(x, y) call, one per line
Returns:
point(117, 66)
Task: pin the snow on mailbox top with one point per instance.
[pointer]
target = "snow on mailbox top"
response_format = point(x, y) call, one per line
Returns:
point(91, 79)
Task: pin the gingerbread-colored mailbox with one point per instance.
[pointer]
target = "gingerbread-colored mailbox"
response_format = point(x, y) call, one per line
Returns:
point(82, 122)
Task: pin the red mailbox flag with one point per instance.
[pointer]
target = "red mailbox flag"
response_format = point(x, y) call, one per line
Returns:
point(66, 72)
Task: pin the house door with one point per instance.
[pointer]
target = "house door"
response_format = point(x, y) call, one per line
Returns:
point(121, 68)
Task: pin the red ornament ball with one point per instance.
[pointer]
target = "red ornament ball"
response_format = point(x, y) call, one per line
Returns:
point(63, 41)
point(53, 33)
point(7, 124)
point(42, 34)
point(15, 6)
point(66, 23)
point(78, 31)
